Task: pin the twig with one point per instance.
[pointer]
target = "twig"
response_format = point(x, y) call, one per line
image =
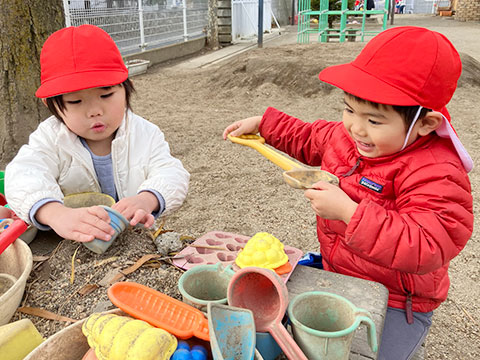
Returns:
point(72, 275)
point(208, 247)
point(165, 258)
point(27, 292)
point(76, 291)
point(466, 313)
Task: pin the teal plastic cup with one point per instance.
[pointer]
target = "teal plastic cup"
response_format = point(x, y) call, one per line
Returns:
point(117, 222)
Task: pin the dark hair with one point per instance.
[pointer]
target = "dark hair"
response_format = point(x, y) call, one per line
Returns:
point(406, 112)
point(56, 104)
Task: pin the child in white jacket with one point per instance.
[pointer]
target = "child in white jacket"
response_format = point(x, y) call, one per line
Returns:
point(93, 142)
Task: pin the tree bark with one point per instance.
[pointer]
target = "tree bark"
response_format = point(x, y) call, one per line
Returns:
point(24, 27)
point(212, 29)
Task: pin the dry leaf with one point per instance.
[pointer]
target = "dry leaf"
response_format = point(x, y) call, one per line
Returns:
point(38, 258)
point(112, 276)
point(139, 263)
point(156, 265)
point(44, 314)
point(187, 238)
point(87, 289)
point(135, 266)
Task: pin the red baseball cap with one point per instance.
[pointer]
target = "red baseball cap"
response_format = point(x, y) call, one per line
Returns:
point(78, 58)
point(405, 66)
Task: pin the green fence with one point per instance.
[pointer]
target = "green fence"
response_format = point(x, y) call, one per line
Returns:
point(306, 27)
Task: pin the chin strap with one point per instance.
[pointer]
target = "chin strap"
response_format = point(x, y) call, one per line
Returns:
point(411, 127)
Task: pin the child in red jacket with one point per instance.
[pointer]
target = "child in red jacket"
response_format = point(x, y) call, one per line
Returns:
point(403, 209)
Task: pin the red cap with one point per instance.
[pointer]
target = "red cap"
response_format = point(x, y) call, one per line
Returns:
point(406, 66)
point(78, 58)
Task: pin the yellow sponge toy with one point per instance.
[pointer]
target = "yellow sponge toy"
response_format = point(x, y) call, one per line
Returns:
point(18, 339)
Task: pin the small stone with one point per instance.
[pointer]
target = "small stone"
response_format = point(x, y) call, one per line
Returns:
point(102, 306)
point(169, 242)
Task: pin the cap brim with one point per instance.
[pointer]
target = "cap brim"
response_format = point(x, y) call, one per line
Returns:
point(358, 82)
point(80, 81)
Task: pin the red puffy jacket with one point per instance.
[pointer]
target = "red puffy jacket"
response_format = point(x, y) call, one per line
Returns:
point(414, 214)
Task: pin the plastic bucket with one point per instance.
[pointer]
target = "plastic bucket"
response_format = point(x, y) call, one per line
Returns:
point(17, 261)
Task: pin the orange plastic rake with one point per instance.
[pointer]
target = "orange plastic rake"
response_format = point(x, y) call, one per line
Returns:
point(160, 310)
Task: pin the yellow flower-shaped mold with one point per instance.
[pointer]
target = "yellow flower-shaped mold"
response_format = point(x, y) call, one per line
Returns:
point(262, 250)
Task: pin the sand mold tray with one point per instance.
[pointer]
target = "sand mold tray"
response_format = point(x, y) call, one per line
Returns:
point(219, 246)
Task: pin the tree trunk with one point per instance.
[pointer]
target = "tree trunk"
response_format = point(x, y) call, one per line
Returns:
point(212, 29)
point(24, 27)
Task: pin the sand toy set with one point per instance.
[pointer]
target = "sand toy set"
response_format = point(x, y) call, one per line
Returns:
point(234, 306)
point(229, 248)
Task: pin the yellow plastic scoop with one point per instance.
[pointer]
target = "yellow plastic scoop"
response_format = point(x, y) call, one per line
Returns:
point(294, 175)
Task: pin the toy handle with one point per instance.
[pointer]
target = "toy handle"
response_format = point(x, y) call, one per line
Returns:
point(288, 345)
point(365, 318)
point(11, 234)
point(256, 143)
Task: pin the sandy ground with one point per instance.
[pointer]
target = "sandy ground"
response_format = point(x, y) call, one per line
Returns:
point(233, 188)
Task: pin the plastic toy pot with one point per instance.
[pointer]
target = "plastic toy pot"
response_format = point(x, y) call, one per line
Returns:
point(203, 284)
point(266, 295)
point(323, 325)
point(117, 222)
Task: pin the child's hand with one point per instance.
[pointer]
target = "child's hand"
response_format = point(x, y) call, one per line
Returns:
point(246, 126)
point(138, 208)
point(82, 224)
point(6, 213)
point(330, 202)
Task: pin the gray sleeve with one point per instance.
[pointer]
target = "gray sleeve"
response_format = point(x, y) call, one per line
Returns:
point(33, 212)
point(161, 202)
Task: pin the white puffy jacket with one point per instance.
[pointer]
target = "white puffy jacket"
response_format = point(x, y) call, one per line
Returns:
point(54, 163)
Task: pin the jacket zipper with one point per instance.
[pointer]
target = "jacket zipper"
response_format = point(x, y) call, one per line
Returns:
point(348, 173)
point(408, 301)
point(352, 170)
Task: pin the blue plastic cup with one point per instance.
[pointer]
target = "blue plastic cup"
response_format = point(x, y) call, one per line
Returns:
point(267, 346)
point(117, 222)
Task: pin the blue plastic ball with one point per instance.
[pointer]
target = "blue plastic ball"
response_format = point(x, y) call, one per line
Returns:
point(181, 354)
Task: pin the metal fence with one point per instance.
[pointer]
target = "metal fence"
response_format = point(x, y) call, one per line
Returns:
point(418, 6)
point(139, 25)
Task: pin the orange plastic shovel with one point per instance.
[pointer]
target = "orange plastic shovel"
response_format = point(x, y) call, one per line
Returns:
point(159, 310)
point(294, 175)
